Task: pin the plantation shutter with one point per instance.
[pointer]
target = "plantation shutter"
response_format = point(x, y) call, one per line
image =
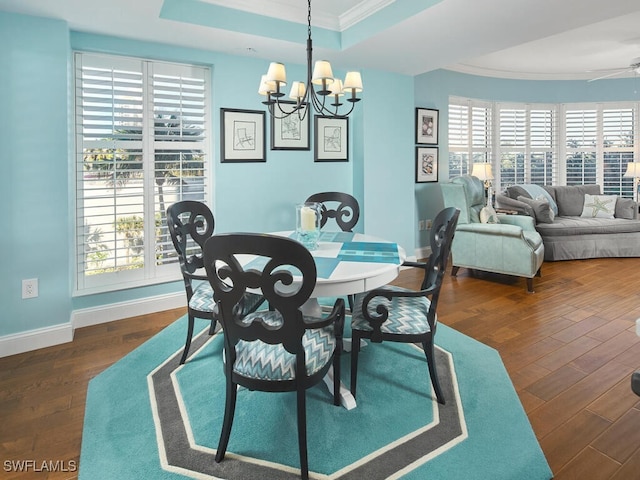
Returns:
point(581, 142)
point(618, 137)
point(470, 134)
point(512, 143)
point(179, 113)
point(543, 158)
point(141, 145)
point(458, 140)
point(481, 137)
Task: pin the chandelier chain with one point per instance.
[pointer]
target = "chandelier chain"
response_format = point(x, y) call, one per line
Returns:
point(309, 18)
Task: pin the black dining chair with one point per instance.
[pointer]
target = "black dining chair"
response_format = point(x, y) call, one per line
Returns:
point(401, 315)
point(341, 206)
point(190, 224)
point(275, 350)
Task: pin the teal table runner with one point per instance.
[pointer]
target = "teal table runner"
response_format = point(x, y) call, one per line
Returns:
point(338, 237)
point(368, 252)
point(371, 252)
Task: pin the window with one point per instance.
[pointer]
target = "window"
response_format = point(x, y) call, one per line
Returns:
point(543, 156)
point(470, 130)
point(513, 129)
point(141, 144)
point(582, 138)
point(527, 144)
point(618, 144)
point(547, 144)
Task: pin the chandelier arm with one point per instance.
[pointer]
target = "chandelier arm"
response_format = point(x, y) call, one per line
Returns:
point(324, 110)
point(274, 114)
point(284, 112)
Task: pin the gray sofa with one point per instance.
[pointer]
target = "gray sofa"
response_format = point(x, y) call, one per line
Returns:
point(565, 233)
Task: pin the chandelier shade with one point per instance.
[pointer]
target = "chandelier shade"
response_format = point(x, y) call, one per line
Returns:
point(320, 86)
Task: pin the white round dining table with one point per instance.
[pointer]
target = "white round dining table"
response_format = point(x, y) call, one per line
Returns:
point(349, 263)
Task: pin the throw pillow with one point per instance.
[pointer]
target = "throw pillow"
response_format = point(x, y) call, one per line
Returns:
point(514, 191)
point(536, 191)
point(626, 208)
point(508, 203)
point(488, 215)
point(541, 209)
point(599, 206)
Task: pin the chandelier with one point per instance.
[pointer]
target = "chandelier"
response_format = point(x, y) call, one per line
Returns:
point(319, 87)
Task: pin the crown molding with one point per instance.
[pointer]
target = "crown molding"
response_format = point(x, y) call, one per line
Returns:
point(513, 75)
point(296, 11)
point(361, 11)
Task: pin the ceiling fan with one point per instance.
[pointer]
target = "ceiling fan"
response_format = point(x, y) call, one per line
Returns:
point(633, 67)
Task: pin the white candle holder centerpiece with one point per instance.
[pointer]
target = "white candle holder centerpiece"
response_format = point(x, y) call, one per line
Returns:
point(308, 224)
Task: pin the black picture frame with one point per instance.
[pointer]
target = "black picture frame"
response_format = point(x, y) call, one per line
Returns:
point(331, 139)
point(427, 126)
point(426, 164)
point(242, 136)
point(290, 132)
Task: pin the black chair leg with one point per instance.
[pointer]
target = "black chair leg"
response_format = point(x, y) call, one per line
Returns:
point(227, 423)
point(212, 328)
point(350, 299)
point(430, 353)
point(187, 343)
point(302, 433)
point(336, 378)
point(355, 349)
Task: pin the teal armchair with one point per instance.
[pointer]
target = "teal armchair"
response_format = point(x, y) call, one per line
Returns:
point(511, 247)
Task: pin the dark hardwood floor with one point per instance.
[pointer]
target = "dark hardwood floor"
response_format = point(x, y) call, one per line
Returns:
point(570, 349)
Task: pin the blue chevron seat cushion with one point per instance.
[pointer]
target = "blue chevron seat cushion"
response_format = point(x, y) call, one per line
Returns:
point(407, 315)
point(262, 361)
point(202, 299)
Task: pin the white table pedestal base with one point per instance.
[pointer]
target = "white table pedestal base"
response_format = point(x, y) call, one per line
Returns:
point(346, 399)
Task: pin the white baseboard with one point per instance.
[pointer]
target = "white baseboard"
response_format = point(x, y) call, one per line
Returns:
point(49, 336)
point(117, 311)
point(423, 252)
point(34, 339)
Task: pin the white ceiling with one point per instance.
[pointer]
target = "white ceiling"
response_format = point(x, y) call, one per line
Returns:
point(529, 39)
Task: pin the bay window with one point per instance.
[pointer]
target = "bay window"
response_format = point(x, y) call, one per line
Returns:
point(558, 144)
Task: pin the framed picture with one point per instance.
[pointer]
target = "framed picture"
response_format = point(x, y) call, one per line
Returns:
point(331, 140)
point(426, 126)
point(290, 133)
point(242, 136)
point(426, 164)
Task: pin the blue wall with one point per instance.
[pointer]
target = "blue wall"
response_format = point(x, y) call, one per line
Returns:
point(36, 82)
point(36, 235)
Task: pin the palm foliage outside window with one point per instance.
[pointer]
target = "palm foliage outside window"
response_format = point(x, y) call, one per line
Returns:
point(141, 144)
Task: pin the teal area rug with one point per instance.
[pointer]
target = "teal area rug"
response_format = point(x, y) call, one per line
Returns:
point(148, 418)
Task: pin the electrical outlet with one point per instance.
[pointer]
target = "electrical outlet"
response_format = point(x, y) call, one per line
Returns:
point(30, 288)
point(429, 223)
point(421, 225)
